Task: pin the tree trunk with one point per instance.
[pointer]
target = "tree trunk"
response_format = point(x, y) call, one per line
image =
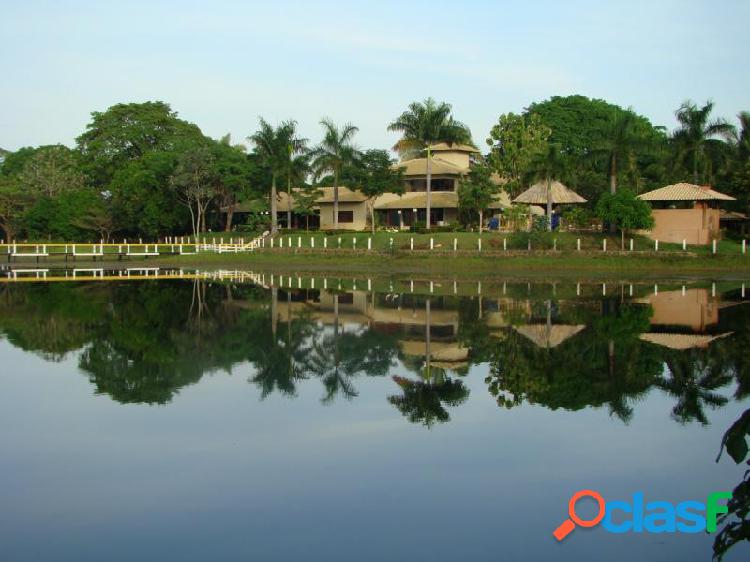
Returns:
point(622, 239)
point(372, 216)
point(230, 217)
point(274, 217)
point(549, 203)
point(274, 310)
point(8, 232)
point(335, 200)
point(289, 203)
point(429, 187)
point(481, 220)
point(427, 341)
point(695, 166)
point(613, 186)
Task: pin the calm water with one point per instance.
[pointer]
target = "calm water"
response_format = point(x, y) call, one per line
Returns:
point(227, 420)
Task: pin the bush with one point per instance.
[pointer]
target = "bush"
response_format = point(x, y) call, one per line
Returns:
point(578, 217)
point(540, 240)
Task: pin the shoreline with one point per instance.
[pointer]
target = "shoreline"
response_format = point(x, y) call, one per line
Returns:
point(460, 265)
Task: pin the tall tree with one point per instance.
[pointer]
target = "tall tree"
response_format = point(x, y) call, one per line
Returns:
point(548, 167)
point(475, 192)
point(515, 142)
point(272, 145)
point(422, 125)
point(233, 171)
point(50, 171)
point(374, 174)
point(126, 132)
point(194, 181)
point(696, 129)
point(13, 202)
point(335, 151)
point(298, 168)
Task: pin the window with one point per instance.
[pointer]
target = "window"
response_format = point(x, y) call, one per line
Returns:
point(346, 216)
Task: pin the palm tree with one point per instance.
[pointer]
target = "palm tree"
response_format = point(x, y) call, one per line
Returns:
point(696, 129)
point(620, 140)
point(547, 167)
point(333, 153)
point(743, 137)
point(421, 126)
point(275, 146)
point(297, 170)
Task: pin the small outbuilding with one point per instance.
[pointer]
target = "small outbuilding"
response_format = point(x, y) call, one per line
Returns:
point(561, 195)
point(685, 211)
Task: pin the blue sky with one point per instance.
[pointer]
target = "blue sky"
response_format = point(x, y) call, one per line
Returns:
point(222, 64)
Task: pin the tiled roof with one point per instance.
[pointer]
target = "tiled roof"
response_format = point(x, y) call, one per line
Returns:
point(685, 192)
point(681, 341)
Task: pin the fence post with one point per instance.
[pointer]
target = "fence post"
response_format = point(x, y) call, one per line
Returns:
point(432, 243)
point(578, 244)
point(411, 243)
point(325, 242)
point(684, 245)
point(390, 243)
point(312, 241)
point(299, 241)
point(369, 243)
point(631, 244)
point(505, 244)
point(272, 243)
point(529, 245)
point(604, 245)
point(554, 244)
point(713, 246)
point(354, 242)
point(479, 244)
point(656, 245)
point(339, 241)
point(455, 244)
point(744, 244)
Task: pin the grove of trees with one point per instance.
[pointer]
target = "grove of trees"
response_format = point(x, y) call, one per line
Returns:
point(139, 170)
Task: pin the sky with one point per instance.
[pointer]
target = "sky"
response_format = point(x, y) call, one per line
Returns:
point(222, 64)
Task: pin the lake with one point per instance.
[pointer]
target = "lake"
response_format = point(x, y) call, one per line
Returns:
point(233, 416)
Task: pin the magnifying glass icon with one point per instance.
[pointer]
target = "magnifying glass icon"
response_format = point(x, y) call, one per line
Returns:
point(568, 525)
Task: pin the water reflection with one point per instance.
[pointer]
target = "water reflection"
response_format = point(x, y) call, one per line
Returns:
point(435, 348)
point(142, 342)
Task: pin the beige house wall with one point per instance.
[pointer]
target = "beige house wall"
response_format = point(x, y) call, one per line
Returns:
point(360, 216)
point(694, 309)
point(699, 225)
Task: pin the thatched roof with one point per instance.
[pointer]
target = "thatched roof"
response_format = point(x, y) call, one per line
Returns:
point(681, 341)
point(537, 194)
point(440, 167)
point(548, 336)
point(500, 200)
point(685, 192)
point(418, 200)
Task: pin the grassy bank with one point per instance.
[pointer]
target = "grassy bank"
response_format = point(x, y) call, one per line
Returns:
point(500, 254)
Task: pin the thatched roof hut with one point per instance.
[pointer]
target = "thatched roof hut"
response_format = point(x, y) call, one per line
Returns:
point(537, 195)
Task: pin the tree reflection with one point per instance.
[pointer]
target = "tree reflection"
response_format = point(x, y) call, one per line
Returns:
point(693, 380)
point(564, 367)
point(422, 400)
